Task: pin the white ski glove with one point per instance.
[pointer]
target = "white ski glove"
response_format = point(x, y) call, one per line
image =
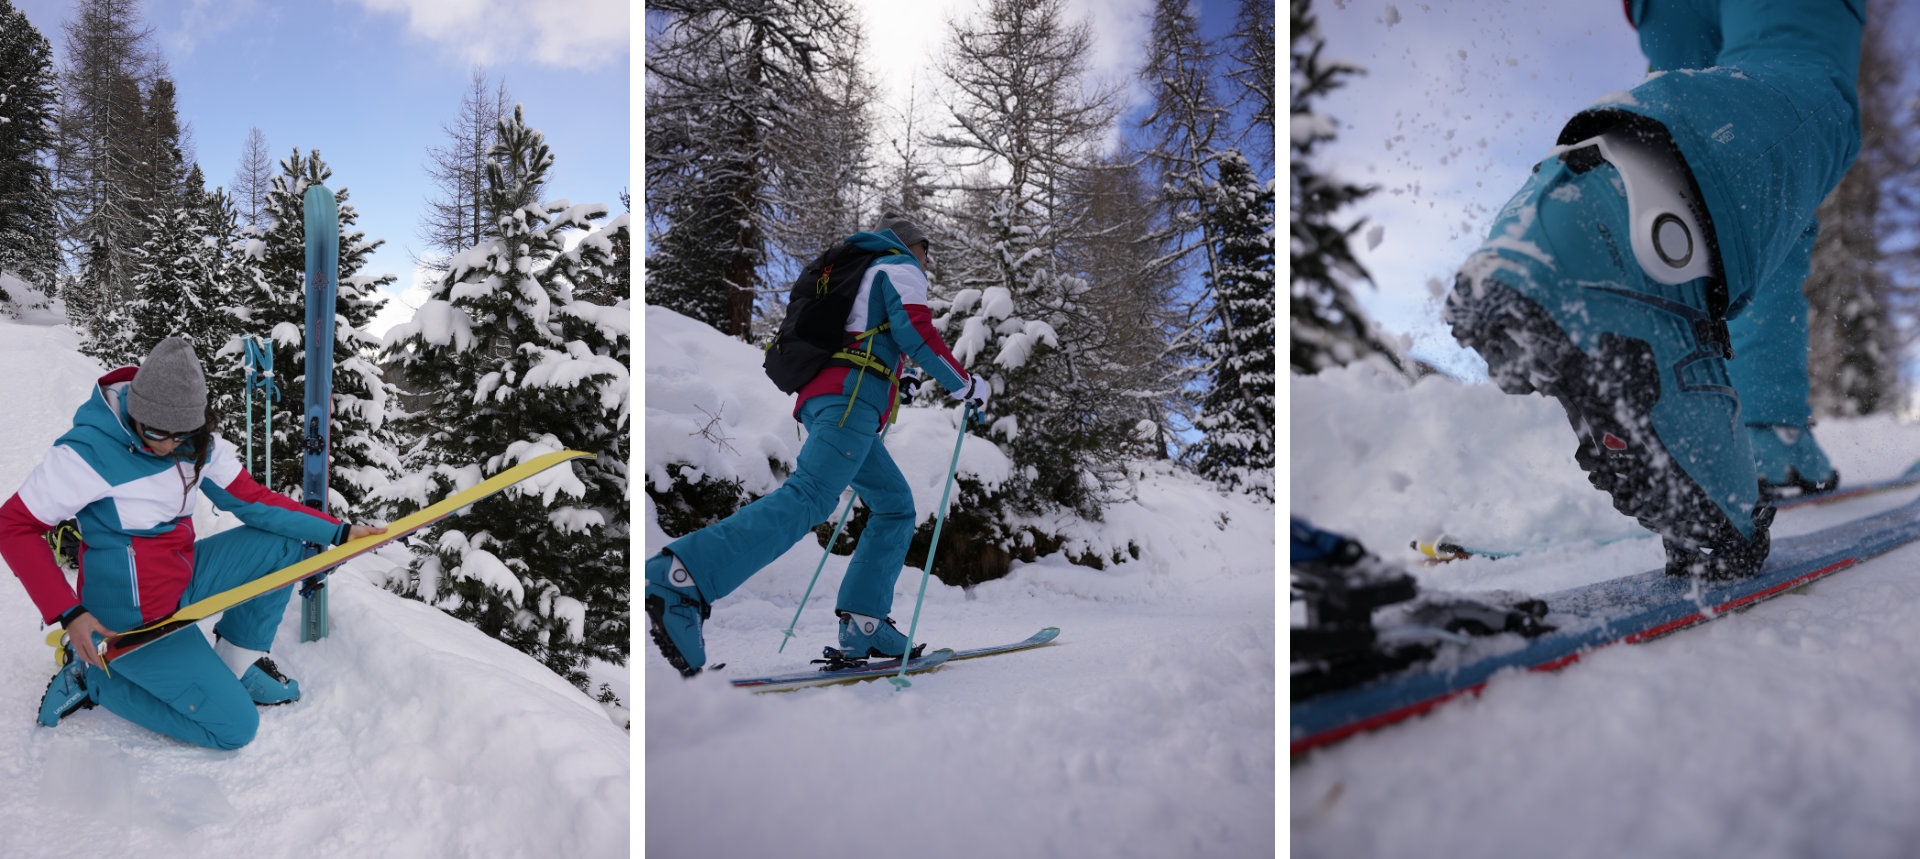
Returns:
point(979, 389)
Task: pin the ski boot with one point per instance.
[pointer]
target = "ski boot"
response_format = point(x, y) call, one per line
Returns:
point(676, 612)
point(67, 692)
point(863, 637)
point(1600, 286)
point(262, 679)
point(1790, 462)
point(267, 685)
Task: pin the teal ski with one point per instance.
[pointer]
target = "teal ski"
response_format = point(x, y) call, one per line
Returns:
point(891, 667)
point(870, 671)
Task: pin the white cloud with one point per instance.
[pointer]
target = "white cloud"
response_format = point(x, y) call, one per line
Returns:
point(184, 25)
point(576, 34)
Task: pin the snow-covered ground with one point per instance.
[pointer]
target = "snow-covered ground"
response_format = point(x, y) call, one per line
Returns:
point(1786, 730)
point(1146, 731)
point(416, 735)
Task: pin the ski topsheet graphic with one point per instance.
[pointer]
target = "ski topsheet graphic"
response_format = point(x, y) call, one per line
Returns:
point(321, 220)
point(1631, 609)
point(187, 615)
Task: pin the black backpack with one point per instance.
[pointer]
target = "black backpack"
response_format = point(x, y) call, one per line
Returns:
point(813, 335)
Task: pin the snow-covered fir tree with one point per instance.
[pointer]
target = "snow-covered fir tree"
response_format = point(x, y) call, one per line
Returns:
point(1328, 326)
point(517, 367)
point(28, 247)
point(233, 280)
point(1237, 416)
point(171, 270)
point(364, 442)
point(98, 313)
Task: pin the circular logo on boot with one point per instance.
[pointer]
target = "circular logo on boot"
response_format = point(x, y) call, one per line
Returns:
point(1672, 241)
point(680, 577)
point(871, 626)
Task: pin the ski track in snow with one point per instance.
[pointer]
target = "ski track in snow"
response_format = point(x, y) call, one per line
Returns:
point(1147, 730)
point(1786, 730)
point(416, 735)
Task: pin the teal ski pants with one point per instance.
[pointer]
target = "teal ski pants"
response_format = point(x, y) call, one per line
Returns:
point(842, 449)
point(1760, 96)
point(177, 685)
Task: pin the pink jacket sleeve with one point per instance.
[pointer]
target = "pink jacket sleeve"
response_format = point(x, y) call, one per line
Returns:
point(24, 547)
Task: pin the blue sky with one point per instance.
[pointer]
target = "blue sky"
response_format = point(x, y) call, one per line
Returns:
point(369, 83)
point(1459, 101)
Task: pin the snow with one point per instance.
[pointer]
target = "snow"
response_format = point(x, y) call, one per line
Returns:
point(1784, 730)
point(416, 735)
point(1147, 731)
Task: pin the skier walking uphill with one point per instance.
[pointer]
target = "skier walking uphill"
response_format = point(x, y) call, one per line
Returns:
point(1648, 274)
point(141, 453)
point(844, 408)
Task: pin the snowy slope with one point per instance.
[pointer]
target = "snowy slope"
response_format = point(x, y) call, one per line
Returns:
point(1147, 731)
point(416, 735)
point(1785, 730)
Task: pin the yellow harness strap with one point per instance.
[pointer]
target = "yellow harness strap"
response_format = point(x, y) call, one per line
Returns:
point(863, 362)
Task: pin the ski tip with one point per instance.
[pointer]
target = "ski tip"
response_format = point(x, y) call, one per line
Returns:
point(1441, 549)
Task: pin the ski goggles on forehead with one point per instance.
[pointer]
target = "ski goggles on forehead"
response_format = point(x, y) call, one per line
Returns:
point(151, 434)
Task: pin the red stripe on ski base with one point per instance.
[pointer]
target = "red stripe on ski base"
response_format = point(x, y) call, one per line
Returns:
point(1383, 719)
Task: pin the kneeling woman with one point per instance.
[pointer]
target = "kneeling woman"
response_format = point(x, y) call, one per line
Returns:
point(139, 456)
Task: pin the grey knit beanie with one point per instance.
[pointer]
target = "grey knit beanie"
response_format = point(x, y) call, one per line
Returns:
point(170, 391)
point(908, 232)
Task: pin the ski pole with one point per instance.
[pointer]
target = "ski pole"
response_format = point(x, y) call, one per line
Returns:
point(900, 680)
point(259, 360)
point(246, 363)
point(788, 632)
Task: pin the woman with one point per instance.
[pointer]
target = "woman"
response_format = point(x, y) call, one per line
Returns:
point(140, 455)
point(844, 411)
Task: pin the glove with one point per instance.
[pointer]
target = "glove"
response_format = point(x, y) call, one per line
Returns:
point(910, 385)
point(979, 389)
